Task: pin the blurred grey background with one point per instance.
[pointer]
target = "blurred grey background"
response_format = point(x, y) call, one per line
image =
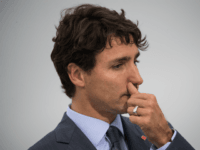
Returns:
point(31, 100)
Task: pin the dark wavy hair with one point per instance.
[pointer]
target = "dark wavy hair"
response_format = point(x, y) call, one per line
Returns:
point(83, 32)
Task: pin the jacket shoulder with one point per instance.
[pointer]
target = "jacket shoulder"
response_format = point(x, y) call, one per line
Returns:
point(49, 142)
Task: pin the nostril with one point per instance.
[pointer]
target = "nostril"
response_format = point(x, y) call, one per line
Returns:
point(135, 85)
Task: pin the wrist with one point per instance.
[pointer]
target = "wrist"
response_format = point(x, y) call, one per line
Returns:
point(166, 138)
point(169, 135)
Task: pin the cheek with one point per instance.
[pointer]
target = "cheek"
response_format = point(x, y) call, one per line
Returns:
point(107, 84)
point(102, 88)
point(111, 86)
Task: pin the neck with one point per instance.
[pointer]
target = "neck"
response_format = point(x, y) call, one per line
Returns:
point(83, 107)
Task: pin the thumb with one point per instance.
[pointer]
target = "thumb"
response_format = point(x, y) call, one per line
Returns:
point(132, 89)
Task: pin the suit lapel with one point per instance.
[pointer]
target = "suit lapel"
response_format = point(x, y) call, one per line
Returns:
point(67, 132)
point(133, 135)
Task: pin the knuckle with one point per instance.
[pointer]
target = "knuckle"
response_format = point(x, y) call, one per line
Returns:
point(150, 103)
point(150, 111)
point(153, 96)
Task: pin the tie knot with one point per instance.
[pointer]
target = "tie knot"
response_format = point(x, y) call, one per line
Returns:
point(113, 134)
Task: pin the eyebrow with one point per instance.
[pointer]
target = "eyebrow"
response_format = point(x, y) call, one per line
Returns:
point(124, 59)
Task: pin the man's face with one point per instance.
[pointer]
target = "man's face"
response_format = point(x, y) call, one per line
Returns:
point(106, 87)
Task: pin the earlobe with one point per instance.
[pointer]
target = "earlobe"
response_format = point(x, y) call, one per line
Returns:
point(75, 75)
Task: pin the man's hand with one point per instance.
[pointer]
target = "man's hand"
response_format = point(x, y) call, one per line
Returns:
point(149, 117)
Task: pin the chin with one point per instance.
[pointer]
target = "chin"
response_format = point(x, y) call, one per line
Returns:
point(122, 109)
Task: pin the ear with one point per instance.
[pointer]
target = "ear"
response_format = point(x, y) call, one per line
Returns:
point(76, 75)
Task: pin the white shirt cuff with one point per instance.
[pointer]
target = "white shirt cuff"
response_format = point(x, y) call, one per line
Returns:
point(164, 147)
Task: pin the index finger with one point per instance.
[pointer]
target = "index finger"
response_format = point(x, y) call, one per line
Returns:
point(132, 89)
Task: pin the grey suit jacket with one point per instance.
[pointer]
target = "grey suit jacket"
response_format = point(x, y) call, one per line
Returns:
point(67, 136)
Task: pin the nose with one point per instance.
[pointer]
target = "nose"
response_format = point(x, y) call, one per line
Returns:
point(134, 76)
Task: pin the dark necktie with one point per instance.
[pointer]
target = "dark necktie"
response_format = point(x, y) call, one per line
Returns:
point(114, 135)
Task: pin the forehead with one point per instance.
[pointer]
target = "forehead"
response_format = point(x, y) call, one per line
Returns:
point(117, 50)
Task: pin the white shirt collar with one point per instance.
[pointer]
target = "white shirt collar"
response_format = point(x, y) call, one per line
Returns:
point(94, 129)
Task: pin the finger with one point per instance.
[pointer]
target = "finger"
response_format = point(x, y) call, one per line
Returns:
point(140, 111)
point(136, 102)
point(131, 88)
point(136, 119)
point(144, 96)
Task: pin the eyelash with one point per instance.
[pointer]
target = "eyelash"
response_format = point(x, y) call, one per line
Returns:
point(137, 61)
point(117, 66)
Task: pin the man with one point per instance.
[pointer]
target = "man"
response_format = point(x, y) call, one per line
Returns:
point(95, 54)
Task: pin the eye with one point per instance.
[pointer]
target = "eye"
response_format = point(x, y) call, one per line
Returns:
point(117, 66)
point(136, 61)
